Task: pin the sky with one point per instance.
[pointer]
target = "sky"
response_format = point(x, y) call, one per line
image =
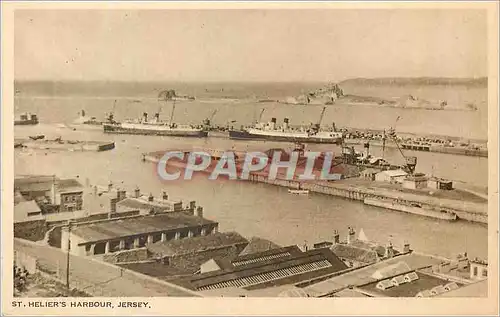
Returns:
point(248, 45)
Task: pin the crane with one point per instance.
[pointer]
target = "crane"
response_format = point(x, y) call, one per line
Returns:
point(321, 116)
point(260, 115)
point(410, 161)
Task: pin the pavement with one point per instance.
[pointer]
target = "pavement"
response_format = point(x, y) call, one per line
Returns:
point(99, 278)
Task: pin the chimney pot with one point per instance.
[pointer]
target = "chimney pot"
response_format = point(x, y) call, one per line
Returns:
point(151, 197)
point(137, 192)
point(165, 196)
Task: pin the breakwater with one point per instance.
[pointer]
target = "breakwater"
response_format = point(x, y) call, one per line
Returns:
point(67, 145)
point(466, 210)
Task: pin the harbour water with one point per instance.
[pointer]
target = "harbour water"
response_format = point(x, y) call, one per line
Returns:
point(258, 209)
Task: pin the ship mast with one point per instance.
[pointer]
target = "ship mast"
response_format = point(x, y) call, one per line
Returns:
point(172, 113)
point(321, 116)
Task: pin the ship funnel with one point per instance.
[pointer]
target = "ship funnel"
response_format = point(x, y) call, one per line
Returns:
point(272, 124)
point(145, 115)
point(285, 123)
point(83, 113)
point(157, 117)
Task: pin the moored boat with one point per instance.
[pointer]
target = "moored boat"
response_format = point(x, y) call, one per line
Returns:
point(26, 119)
point(298, 191)
point(412, 208)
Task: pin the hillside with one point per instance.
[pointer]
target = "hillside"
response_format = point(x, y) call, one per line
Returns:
point(401, 81)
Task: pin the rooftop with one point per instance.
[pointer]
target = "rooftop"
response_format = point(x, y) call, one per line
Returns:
point(394, 173)
point(281, 270)
point(347, 251)
point(27, 211)
point(69, 185)
point(141, 204)
point(364, 275)
point(197, 244)
point(131, 226)
point(257, 244)
point(409, 289)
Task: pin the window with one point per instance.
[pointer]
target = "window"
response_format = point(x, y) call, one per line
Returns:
point(475, 271)
point(485, 273)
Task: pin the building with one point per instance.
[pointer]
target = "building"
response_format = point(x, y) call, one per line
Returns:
point(69, 195)
point(356, 252)
point(50, 192)
point(257, 245)
point(27, 211)
point(478, 269)
point(111, 235)
point(391, 176)
point(439, 183)
point(284, 266)
point(412, 283)
point(189, 254)
point(369, 173)
point(415, 181)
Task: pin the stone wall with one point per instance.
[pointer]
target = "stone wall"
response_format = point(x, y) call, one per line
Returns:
point(31, 230)
point(134, 255)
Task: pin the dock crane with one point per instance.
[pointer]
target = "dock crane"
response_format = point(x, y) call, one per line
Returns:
point(318, 125)
point(410, 161)
point(208, 121)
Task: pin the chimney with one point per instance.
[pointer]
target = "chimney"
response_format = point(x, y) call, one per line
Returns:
point(336, 237)
point(164, 195)
point(137, 192)
point(151, 198)
point(95, 190)
point(198, 212)
point(121, 195)
point(351, 235)
point(406, 248)
point(389, 251)
point(112, 206)
point(110, 186)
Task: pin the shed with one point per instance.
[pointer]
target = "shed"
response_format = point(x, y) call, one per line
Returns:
point(415, 181)
point(439, 183)
point(369, 173)
point(391, 176)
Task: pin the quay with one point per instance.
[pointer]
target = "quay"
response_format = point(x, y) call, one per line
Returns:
point(68, 145)
point(437, 148)
point(464, 204)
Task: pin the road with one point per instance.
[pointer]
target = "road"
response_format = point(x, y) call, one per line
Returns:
point(98, 278)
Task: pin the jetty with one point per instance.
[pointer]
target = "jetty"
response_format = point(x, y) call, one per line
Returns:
point(456, 203)
point(67, 145)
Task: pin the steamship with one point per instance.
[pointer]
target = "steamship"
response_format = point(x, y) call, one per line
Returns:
point(270, 131)
point(26, 119)
point(154, 127)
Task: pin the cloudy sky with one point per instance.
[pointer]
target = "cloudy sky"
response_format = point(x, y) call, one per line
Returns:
point(248, 45)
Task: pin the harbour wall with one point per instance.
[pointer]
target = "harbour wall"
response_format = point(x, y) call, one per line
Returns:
point(469, 211)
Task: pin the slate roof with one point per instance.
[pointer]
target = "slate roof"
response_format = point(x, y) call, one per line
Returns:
point(197, 244)
point(257, 244)
point(140, 204)
point(23, 208)
point(69, 185)
point(351, 252)
point(123, 227)
point(424, 283)
point(283, 270)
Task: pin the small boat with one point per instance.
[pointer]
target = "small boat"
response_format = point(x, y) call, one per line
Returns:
point(37, 137)
point(298, 191)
